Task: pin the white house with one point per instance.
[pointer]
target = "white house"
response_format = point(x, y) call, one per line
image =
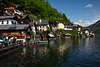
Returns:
point(68, 26)
point(87, 32)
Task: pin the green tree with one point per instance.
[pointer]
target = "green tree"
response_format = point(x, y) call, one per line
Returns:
point(41, 9)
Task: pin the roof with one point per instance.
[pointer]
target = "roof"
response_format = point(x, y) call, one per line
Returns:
point(24, 16)
point(7, 17)
point(14, 27)
point(42, 22)
point(68, 24)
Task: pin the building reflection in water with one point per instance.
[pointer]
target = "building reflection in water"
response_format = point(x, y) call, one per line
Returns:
point(53, 52)
point(68, 51)
point(62, 49)
point(89, 45)
point(39, 52)
point(23, 51)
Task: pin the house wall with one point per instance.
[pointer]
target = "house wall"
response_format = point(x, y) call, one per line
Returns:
point(87, 32)
point(79, 28)
point(42, 28)
point(60, 26)
point(68, 28)
point(8, 22)
point(19, 34)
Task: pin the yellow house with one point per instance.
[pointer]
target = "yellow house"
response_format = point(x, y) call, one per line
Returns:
point(60, 26)
point(42, 25)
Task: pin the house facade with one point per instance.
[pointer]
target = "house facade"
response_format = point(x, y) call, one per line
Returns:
point(7, 20)
point(60, 26)
point(14, 30)
point(42, 25)
point(11, 28)
point(68, 26)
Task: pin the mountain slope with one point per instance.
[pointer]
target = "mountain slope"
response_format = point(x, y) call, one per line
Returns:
point(40, 9)
point(95, 27)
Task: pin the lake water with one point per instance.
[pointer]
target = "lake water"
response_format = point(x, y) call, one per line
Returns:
point(59, 53)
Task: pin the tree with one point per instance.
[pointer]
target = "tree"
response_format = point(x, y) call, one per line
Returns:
point(41, 9)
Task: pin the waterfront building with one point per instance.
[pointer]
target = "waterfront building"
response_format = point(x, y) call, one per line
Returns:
point(42, 25)
point(60, 26)
point(68, 26)
point(9, 27)
point(87, 32)
point(41, 29)
point(7, 20)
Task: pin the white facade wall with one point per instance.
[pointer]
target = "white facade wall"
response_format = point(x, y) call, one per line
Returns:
point(8, 22)
point(68, 29)
point(87, 32)
point(43, 28)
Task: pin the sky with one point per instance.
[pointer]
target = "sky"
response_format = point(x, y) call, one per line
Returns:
point(82, 12)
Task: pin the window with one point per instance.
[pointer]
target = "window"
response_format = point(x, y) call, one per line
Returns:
point(13, 22)
point(2, 22)
point(7, 21)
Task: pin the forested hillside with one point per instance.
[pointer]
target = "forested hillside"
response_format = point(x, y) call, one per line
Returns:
point(95, 27)
point(40, 9)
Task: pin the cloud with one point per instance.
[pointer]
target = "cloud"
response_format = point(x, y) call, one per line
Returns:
point(85, 23)
point(96, 14)
point(95, 18)
point(89, 6)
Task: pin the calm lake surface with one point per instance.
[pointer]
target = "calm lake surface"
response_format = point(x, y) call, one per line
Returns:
point(59, 53)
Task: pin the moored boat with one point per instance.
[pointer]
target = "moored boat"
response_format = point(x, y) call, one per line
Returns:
point(42, 42)
point(67, 35)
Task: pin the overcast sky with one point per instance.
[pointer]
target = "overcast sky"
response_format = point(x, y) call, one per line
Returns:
point(83, 12)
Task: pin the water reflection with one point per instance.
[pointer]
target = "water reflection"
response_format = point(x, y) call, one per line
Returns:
point(58, 53)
